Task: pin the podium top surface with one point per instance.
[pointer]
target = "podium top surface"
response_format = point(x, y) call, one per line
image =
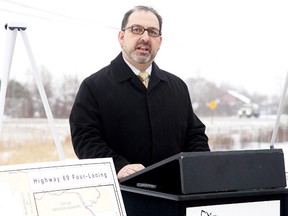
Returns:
point(219, 171)
point(183, 155)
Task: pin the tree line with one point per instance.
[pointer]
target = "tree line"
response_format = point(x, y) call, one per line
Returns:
point(24, 101)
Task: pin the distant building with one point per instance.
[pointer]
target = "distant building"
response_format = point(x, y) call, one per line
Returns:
point(235, 103)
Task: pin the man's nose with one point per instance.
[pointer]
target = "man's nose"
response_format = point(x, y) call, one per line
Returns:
point(145, 36)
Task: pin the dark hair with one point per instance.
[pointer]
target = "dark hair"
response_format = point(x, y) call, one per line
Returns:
point(141, 8)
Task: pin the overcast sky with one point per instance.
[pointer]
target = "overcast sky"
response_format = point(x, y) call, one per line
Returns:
point(240, 42)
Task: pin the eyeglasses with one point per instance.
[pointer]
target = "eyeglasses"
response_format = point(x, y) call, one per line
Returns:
point(139, 30)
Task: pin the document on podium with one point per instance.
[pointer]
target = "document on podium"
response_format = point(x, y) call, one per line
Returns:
point(81, 187)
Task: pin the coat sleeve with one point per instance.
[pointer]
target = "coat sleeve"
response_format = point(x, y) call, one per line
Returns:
point(86, 129)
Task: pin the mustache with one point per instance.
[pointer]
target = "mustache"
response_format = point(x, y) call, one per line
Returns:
point(144, 43)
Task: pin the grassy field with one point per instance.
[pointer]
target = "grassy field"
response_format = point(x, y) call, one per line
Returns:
point(31, 141)
point(31, 151)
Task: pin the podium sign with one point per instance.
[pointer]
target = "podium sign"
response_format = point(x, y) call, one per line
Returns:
point(80, 187)
point(262, 208)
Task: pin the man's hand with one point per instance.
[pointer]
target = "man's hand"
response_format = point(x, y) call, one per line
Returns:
point(129, 169)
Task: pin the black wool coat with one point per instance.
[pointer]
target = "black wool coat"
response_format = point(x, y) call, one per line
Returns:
point(114, 115)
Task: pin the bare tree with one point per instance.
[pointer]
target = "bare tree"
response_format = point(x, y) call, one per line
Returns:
point(18, 100)
point(65, 100)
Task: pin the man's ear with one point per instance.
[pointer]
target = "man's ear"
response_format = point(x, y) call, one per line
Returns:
point(121, 37)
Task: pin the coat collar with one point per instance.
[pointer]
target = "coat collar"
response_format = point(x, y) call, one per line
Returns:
point(123, 72)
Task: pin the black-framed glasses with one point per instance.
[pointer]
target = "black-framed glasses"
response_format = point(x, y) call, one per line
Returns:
point(139, 30)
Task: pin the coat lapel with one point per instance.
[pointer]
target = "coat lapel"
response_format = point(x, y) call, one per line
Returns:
point(157, 76)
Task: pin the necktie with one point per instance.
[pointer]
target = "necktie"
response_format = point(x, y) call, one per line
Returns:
point(144, 77)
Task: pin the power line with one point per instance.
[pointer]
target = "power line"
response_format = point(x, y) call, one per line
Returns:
point(31, 7)
point(21, 13)
point(49, 13)
point(43, 10)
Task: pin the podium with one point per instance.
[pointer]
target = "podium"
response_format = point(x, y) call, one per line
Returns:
point(194, 179)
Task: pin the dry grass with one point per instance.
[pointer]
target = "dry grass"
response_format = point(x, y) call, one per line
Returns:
point(31, 141)
point(32, 151)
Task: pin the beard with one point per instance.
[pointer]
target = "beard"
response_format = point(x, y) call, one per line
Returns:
point(138, 57)
point(141, 59)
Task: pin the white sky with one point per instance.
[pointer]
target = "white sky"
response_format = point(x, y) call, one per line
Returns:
point(240, 42)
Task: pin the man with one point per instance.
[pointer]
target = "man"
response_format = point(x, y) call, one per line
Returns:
point(116, 115)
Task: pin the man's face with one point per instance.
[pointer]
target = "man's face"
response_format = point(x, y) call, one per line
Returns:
point(140, 49)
